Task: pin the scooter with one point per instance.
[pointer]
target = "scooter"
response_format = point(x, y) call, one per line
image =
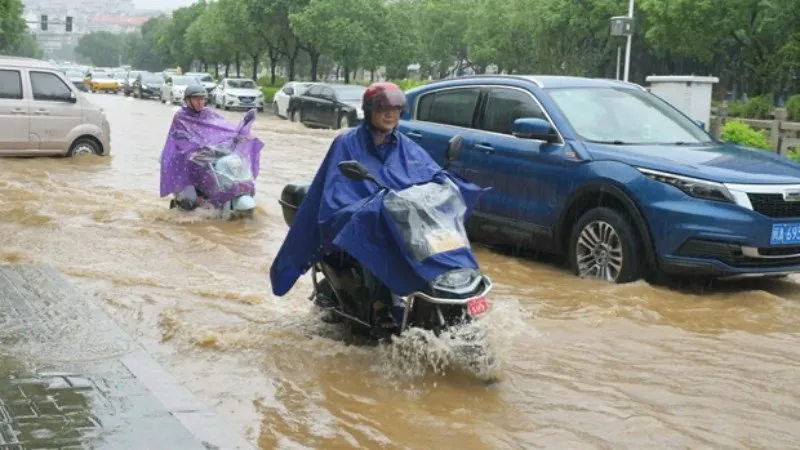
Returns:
point(455, 298)
point(219, 167)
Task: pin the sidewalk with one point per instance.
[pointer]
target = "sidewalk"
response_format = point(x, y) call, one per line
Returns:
point(71, 378)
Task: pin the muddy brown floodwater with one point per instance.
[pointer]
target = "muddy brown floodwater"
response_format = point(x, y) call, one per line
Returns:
point(582, 364)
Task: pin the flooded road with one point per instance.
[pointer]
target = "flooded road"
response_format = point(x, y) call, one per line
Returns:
point(583, 364)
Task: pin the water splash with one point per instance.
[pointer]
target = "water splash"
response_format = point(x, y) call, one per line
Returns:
point(479, 349)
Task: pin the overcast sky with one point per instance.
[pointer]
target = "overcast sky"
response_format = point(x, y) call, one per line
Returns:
point(161, 4)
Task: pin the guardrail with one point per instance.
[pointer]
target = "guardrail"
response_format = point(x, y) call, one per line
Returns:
point(783, 135)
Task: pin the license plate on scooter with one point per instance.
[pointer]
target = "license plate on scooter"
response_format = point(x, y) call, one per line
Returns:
point(477, 306)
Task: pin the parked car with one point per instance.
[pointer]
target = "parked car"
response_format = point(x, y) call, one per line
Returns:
point(43, 113)
point(205, 79)
point(280, 102)
point(610, 175)
point(148, 85)
point(235, 93)
point(76, 77)
point(127, 81)
point(173, 87)
point(102, 81)
point(328, 105)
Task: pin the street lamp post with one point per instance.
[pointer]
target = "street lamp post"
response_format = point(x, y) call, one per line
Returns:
point(623, 26)
point(628, 45)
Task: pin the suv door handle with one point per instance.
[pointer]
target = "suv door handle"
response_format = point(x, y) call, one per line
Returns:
point(42, 112)
point(17, 111)
point(414, 133)
point(488, 149)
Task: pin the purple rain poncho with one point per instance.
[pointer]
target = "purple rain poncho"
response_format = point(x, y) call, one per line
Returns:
point(196, 141)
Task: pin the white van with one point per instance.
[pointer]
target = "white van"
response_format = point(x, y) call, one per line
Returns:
point(43, 113)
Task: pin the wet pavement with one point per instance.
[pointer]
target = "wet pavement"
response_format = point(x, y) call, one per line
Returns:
point(583, 364)
point(83, 383)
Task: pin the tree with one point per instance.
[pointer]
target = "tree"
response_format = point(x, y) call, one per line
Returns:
point(340, 28)
point(244, 29)
point(174, 36)
point(14, 39)
point(102, 48)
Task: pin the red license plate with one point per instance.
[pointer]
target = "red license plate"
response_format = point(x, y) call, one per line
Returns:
point(477, 306)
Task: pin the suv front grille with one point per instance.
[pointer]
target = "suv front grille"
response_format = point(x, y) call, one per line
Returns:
point(773, 205)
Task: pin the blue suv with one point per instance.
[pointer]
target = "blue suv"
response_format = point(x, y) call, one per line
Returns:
point(610, 175)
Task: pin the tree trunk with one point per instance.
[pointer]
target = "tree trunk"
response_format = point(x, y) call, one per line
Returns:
point(292, 61)
point(255, 66)
point(238, 65)
point(314, 55)
point(346, 74)
point(227, 69)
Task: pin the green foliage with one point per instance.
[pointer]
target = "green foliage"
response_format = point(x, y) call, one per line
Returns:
point(102, 48)
point(14, 38)
point(760, 107)
point(264, 82)
point(269, 93)
point(752, 45)
point(409, 84)
point(740, 133)
point(793, 108)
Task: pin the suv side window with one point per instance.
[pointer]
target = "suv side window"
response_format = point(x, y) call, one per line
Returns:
point(10, 85)
point(504, 106)
point(449, 107)
point(48, 87)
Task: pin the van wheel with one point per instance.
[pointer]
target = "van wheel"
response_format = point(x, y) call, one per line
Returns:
point(83, 147)
point(605, 246)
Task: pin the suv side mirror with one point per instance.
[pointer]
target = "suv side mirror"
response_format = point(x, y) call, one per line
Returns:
point(73, 98)
point(532, 128)
point(289, 91)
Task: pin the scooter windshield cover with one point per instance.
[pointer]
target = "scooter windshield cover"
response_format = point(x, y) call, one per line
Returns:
point(206, 151)
point(340, 214)
point(428, 218)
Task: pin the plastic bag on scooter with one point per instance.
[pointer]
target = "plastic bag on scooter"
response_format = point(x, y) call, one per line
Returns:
point(206, 151)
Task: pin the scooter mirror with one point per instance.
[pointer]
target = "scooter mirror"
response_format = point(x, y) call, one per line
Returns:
point(453, 147)
point(354, 170)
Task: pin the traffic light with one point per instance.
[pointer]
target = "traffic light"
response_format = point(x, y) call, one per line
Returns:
point(44, 22)
point(69, 23)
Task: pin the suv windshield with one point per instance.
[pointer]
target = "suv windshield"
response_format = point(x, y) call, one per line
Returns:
point(625, 116)
point(242, 84)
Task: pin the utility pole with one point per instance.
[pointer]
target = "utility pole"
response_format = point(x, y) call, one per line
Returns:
point(628, 45)
point(623, 26)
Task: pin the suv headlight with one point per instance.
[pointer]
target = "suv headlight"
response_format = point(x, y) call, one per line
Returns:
point(693, 187)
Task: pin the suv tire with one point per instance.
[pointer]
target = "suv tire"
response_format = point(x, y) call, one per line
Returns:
point(604, 240)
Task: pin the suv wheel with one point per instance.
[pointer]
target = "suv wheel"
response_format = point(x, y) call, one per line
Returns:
point(604, 245)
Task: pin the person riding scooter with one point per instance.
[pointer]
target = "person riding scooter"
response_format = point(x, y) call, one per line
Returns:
point(393, 159)
point(194, 99)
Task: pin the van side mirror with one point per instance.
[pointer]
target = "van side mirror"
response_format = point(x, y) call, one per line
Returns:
point(73, 97)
